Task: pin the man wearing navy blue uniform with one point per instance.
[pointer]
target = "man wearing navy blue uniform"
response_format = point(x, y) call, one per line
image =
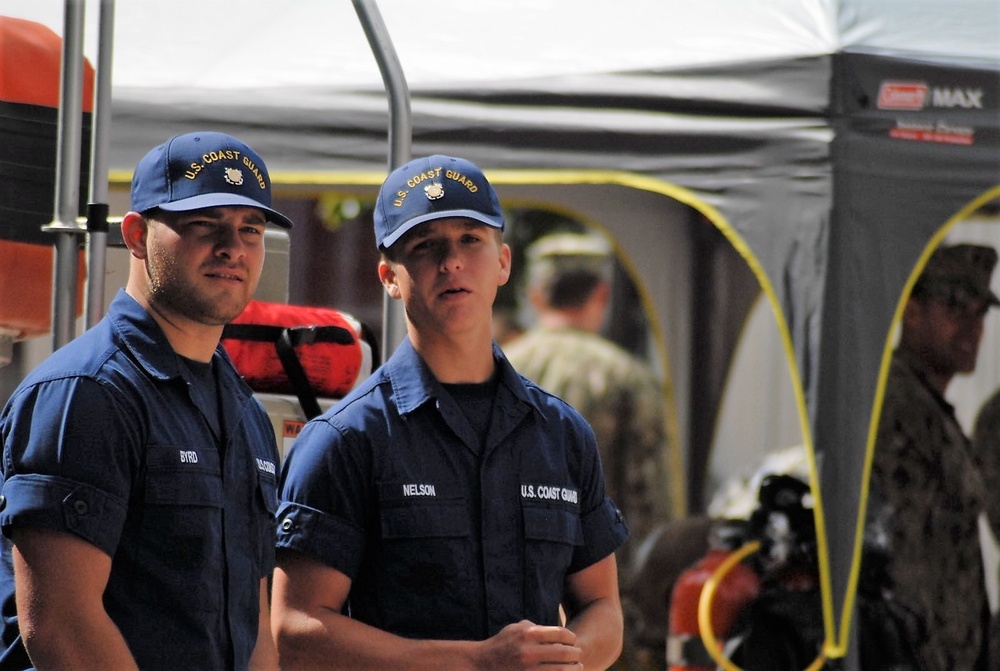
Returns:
point(138, 485)
point(447, 513)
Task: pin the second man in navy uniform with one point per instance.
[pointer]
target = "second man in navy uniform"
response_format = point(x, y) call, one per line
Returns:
point(447, 511)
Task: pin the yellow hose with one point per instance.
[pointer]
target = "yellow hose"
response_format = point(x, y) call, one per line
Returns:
point(705, 609)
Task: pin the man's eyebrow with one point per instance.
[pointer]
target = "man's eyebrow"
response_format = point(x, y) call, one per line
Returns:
point(255, 216)
point(210, 212)
point(421, 233)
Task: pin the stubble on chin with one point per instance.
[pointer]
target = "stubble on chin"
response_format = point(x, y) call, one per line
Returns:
point(171, 294)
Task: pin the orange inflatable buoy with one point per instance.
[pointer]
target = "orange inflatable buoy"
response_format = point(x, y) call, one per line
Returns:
point(31, 62)
point(26, 288)
point(30, 82)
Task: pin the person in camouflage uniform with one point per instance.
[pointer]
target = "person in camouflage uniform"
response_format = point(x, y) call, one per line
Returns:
point(922, 560)
point(986, 455)
point(569, 282)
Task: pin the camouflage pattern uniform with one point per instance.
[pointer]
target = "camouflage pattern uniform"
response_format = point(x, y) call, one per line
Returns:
point(624, 403)
point(986, 454)
point(923, 507)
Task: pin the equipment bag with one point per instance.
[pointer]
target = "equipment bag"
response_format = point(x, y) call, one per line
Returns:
point(291, 349)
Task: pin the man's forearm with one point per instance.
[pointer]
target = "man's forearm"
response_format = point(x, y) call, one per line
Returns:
point(599, 630)
point(333, 641)
point(77, 643)
point(265, 656)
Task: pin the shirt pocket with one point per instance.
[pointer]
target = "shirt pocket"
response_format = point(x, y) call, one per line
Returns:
point(181, 529)
point(551, 535)
point(429, 556)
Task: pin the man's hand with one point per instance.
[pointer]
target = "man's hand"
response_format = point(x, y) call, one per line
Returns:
point(524, 645)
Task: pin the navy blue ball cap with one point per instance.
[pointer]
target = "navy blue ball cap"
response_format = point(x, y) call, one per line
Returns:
point(429, 188)
point(199, 170)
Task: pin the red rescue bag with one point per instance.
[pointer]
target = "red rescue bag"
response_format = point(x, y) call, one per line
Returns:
point(294, 349)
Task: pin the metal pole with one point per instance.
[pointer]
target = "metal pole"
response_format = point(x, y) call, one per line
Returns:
point(68, 177)
point(400, 138)
point(97, 209)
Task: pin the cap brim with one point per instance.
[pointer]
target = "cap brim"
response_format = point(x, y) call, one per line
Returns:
point(204, 200)
point(475, 215)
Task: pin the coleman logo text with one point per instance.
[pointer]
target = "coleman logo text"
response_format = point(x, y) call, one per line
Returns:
point(918, 96)
point(957, 97)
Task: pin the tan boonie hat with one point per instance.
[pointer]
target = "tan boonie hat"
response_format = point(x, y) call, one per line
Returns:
point(959, 274)
point(560, 253)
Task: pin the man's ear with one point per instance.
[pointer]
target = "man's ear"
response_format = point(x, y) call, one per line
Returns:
point(602, 293)
point(134, 233)
point(387, 275)
point(505, 264)
point(913, 320)
point(912, 311)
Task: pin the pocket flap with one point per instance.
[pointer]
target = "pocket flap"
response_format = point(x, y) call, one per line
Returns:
point(425, 521)
point(552, 524)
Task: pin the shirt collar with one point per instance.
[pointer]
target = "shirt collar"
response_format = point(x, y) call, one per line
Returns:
point(413, 384)
point(144, 338)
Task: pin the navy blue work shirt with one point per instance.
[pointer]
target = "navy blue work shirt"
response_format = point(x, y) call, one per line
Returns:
point(105, 440)
point(445, 535)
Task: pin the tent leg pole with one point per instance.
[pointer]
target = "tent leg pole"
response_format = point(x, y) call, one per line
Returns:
point(400, 138)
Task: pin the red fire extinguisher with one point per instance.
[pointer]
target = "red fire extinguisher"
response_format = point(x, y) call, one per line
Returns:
point(737, 589)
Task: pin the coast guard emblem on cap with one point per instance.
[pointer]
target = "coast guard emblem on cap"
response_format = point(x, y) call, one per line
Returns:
point(233, 175)
point(434, 190)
